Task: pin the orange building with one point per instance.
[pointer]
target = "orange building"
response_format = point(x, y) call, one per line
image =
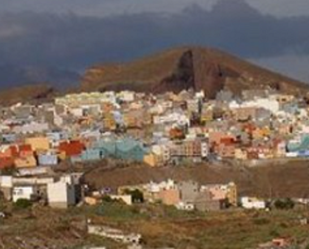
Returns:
point(169, 196)
point(151, 159)
point(176, 133)
point(25, 162)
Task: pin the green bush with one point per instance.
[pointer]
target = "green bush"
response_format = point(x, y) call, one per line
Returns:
point(107, 198)
point(22, 204)
point(285, 204)
point(8, 171)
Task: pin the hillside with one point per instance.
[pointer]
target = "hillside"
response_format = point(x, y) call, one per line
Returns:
point(27, 93)
point(205, 69)
point(287, 179)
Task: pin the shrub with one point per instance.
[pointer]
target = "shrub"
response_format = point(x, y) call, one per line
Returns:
point(22, 204)
point(286, 203)
point(107, 198)
point(274, 233)
point(8, 171)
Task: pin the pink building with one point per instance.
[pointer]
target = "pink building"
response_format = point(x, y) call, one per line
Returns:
point(216, 192)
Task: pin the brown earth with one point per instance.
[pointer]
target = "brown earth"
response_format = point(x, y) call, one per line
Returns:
point(282, 180)
point(27, 93)
point(188, 67)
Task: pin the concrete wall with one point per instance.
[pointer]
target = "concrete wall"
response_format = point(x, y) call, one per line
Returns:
point(188, 191)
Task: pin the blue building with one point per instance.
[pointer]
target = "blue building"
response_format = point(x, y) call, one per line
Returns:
point(57, 135)
point(302, 146)
point(8, 138)
point(47, 159)
point(126, 149)
point(91, 154)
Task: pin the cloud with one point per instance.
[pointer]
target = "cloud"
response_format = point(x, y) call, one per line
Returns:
point(110, 7)
point(100, 7)
point(12, 31)
point(74, 41)
point(282, 8)
point(295, 66)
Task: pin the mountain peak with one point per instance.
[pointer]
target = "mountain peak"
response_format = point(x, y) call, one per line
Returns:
point(182, 68)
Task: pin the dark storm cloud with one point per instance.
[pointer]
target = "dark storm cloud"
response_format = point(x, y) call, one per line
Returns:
point(72, 41)
point(109, 7)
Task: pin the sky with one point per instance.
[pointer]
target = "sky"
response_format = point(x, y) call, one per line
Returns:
point(75, 34)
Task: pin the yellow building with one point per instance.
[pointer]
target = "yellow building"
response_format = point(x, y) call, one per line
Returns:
point(231, 194)
point(207, 116)
point(240, 154)
point(38, 143)
point(25, 162)
point(109, 122)
point(130, 120)
point(62, 156)
point(151, 160)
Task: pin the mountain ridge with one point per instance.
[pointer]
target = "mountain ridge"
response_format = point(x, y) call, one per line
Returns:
point(200, 68)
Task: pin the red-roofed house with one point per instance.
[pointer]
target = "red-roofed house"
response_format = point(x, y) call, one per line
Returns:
point(25, 150)
point(8, 151)
point(6, 162)
point(71, 148)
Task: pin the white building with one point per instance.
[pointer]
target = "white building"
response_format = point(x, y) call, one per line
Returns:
point(6, 181)
point(162, 151)
point(23, 192)
point(127, 96)
point(61, 194)
point(31, 128)
point(6, 186)
point(270, 104)
point(252, 203)
point(174, 118)
point(127, 199)
point(204, 149)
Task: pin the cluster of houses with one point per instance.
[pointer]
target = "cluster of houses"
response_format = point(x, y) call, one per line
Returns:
point(187, 195)
point(154, 129)
point(58, 191)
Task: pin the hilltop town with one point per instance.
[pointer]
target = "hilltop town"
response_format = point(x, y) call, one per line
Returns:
point(166, 129)
point(46, 149)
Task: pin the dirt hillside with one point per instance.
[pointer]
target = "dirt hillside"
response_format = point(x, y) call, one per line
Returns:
point(284, 180)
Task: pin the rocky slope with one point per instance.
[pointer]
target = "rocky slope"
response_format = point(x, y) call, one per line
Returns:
point(205, 69)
